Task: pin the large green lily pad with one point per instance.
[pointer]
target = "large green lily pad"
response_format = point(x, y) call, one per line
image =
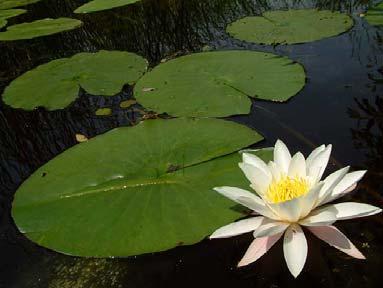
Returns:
point(374, 15)
point(290, 27)
point(218, 84)
point(135, 190)
point(100, 5)
point(56, 84)
point(7, 4)
point(5, 14)
point(39, 28)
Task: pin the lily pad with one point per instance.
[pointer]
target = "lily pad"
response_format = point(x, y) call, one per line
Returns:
point(56, 84)
point(290, 27)
point(218, 84)
point(5, 14)
point(7, 4)
point(135, 190)
point(39, 28)
point(100, 5)
point(374, 15)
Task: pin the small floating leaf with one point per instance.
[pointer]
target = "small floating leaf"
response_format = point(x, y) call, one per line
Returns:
point(39, 28)
point(100, 5)
point(127, 103)
point(374, 15)
point(218, 84)
point(136, 189)
point(56, 84)
point(81, 138)
point(290, 27)
point(7, 4)
point(104, 112)
point(5, 14)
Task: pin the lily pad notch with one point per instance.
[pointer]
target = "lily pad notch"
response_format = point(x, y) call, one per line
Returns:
point(136, 190)
point(290, 26)
point(56, 85)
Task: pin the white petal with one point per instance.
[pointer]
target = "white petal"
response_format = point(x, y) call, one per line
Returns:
point(261, 209)
point(297, 166)
point(287, 211)
point(337, 239)
point(307, 202)
point(330, 182)
point(295, 249)
point(282, 156)
point(314, 154)
point(275, 171)
point(247, 199)
point(318, 165)
point(319, 218)
point(269, 228)
point(259, 179)
point(256, 162)
point(237, 228)
point(258, 248)
point(350, 210)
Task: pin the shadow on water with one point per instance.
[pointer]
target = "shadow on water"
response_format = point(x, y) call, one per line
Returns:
point(341, 104)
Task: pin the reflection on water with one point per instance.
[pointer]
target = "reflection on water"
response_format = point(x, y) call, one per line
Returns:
point(341, 104)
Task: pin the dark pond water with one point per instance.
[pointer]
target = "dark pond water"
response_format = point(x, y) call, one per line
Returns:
point(341, 104)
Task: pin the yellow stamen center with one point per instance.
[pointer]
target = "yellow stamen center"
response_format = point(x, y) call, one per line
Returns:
point(287, 188)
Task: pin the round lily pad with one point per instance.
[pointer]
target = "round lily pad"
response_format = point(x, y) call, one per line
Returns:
point(56, 84)
point(290, 27)
point(7, 4)
point(218, 84)
point(39, 28)
point(374, 15)
point(135, 190)
point(5, 14)
point(100, 5)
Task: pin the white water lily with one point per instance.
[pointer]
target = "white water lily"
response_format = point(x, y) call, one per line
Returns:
point(290, 193)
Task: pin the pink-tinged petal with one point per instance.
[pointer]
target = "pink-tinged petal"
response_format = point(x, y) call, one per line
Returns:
point(318, 165)
point(256, 162)
point(295, 249)
point(258, 248)
point(237, 228)
point(269, 227)
point(337, 239)
point(259, 179)
point(350, 210)
point(330, 182)
point(297, 167)
point(346, 185)
point(282, 156)
point(319, 218)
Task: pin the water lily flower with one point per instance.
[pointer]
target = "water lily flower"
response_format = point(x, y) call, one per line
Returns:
point(291, 194)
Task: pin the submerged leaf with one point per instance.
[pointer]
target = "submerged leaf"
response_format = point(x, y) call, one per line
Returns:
point(5, 14)
point(39, 28)
point(100, 5)
point(374, 15)
point(290, 27)
point(218, 84)
point(104, 112)
point(136, 189)
point(56, 84)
